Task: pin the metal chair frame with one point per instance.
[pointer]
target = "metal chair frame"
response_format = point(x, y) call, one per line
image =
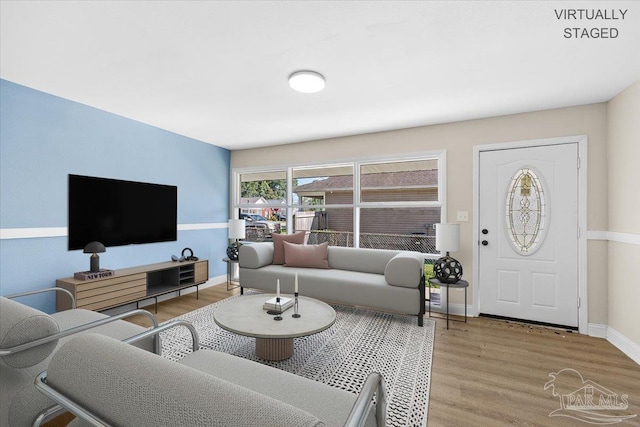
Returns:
point(56, 410)
point(66, 404)
point(374, 385)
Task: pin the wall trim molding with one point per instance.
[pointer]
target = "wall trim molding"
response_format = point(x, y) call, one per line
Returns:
point(614, 236)
point(624, 344)
point(621, 342)
point(455, 309)
point(32, 233)
point(43, 232)
point(597, 330)
point(203, 226)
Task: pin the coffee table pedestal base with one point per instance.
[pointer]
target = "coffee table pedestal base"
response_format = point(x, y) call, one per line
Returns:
point(274, 348)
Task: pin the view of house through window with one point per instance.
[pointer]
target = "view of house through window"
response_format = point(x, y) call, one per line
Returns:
point(391, 204)
point(383, 204)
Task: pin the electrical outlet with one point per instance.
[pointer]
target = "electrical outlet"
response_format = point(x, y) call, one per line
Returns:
point(463, 216)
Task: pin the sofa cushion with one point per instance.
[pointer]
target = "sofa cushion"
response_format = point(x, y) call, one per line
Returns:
point(404, 269)
point(20, 324)
point(128, 386)
point(278, 244)
point(307, 256)
point(364, 260)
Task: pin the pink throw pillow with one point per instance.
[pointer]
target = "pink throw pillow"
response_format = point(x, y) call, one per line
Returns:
point(278, 247)
point(308, 256)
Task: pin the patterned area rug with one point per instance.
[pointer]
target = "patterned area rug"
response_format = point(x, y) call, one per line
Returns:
point(361, 341)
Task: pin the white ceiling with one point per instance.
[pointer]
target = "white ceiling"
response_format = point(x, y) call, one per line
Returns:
point(217, 71)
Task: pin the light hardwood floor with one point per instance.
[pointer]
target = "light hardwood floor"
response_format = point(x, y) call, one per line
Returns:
point(490, 372)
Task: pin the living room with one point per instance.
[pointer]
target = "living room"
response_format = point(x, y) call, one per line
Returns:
point(50, 132)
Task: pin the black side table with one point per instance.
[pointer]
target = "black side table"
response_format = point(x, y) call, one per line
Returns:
point(459, 284)
point(230, 284)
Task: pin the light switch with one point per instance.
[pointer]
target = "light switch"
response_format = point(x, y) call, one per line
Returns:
point(463, 216)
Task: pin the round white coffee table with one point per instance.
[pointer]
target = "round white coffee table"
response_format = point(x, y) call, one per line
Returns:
point(244, 315)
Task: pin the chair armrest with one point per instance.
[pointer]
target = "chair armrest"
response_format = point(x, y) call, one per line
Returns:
point(40, 291)
point(172, 324)
point(374, 384)
point(81, 328)
point(64, 403)
point(49, 413)
point(57, 409)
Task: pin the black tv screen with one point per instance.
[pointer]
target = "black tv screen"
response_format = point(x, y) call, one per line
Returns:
point(117, 213)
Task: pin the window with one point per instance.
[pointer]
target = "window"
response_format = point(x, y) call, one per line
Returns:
point(323, 185)
point(399, 204)
point(382, 203)
point(526, 211)
point(402, 181)
point(263, 193)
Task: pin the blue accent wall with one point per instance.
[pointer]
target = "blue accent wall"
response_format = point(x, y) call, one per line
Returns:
point(44, 138)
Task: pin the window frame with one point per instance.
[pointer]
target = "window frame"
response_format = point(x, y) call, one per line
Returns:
point(357, 204)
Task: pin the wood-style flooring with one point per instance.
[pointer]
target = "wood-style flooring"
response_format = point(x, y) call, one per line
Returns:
point(491, 372)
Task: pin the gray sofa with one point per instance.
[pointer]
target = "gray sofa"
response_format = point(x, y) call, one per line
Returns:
point(108, 382)
point(29, 338)
point(386, 280)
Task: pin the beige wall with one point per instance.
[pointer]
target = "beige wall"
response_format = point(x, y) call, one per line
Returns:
point(459, 139)
point(623, 137)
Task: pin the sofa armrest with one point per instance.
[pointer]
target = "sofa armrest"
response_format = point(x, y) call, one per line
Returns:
point(255, 255)
point(405, 269)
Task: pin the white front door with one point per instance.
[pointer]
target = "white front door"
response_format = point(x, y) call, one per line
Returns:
point(528, 233)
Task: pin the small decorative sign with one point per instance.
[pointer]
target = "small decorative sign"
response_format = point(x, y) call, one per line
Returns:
point(88, 275)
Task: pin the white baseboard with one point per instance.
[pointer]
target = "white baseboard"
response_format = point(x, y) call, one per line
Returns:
point(624, 344)
point(621, 342)
point(597, 330)
point(454, 309)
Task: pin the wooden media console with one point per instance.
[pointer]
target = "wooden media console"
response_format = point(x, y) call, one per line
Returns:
point(135, 284)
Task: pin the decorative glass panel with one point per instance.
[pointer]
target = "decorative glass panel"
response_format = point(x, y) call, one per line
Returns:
point(526, 211)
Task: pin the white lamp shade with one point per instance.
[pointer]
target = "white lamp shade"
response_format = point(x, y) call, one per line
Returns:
point(237, 229)
point(447, 237)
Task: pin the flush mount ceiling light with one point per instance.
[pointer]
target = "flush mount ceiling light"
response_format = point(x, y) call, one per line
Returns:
point(306, 81)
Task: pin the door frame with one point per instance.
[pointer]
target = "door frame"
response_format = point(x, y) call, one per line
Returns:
point(581, 140)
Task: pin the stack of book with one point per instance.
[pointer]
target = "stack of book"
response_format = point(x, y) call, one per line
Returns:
point(285, 303)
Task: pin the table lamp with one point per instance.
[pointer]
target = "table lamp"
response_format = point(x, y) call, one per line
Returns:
point(236, 231)
point(447, 269)
point(94, 248)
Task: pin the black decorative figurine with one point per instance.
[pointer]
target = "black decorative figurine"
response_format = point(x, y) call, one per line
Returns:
point(447, 269)
point(295, 314)
point(278, 309)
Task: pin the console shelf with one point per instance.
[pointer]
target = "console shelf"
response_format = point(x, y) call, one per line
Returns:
point(134, 284)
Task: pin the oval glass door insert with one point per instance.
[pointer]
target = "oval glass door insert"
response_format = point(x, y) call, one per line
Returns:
point(526, 211)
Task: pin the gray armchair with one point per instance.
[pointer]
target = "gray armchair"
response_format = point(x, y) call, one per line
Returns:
point(106, 382)
point(29, 338)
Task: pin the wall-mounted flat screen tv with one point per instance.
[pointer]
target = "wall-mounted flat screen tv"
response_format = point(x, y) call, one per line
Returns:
point(117, 213)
